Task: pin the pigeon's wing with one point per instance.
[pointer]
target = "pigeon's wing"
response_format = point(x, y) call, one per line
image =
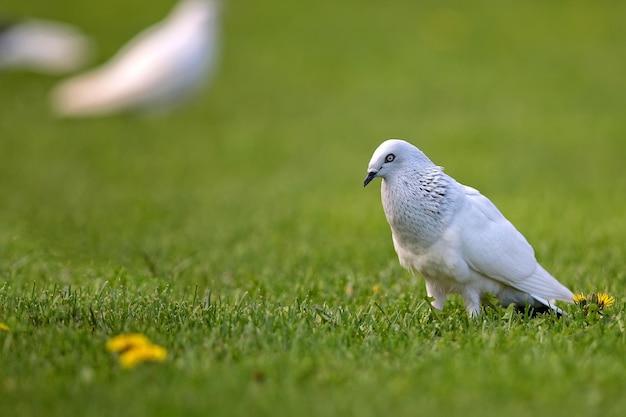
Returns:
point(492, 246)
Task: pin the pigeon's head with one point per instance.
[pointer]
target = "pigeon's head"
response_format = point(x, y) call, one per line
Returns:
point(197, 12)
point(392, 156)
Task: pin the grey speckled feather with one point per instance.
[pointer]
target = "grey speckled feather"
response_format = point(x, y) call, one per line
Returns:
point(454, 236)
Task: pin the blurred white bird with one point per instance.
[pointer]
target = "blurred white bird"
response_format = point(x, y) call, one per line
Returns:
point(155, 71)
point(455, 237)
point(43, 46)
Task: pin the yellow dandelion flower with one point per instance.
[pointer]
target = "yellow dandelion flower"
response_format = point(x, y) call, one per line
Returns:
point(594, 302)
point(135, 348)
point(4, 327)
point(605, 300)
point(148, 353)
point(125, 342)
point(348, 290)
point(376, 289)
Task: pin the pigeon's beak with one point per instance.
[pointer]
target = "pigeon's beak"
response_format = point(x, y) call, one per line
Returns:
point(370, 176)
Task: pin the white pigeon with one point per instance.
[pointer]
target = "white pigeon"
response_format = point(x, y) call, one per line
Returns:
point(43, 46)
point(155, 71)
point(455, 237)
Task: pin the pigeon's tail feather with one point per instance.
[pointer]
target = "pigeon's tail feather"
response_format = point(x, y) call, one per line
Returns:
point(539, 310)
point(543, 286)
point(546, 306)
point(89, 94)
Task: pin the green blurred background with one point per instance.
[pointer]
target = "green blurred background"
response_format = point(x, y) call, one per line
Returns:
point(524, 101)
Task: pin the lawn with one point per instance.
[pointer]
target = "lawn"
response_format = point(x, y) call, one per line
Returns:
point(235, 232)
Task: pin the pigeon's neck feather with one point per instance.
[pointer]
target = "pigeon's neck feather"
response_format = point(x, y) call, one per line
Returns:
point(419, 204)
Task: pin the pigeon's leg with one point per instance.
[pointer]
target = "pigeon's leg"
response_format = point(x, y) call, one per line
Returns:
point(472, 302)
point(437, 293)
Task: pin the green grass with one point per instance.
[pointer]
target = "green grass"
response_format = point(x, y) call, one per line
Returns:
point(236, 233)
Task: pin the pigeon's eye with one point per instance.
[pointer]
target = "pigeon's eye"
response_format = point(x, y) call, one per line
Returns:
point(390, 157)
